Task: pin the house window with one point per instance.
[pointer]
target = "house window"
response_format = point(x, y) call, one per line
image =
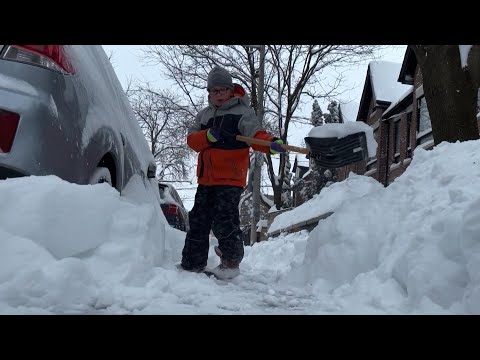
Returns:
point(423, 115)
point(424, 125)
point(372, 165)
point(396, 134)
point(376, 137)
point(478, 101)
point(409, 141)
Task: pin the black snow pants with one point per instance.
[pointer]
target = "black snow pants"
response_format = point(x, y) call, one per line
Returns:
point(215, 208)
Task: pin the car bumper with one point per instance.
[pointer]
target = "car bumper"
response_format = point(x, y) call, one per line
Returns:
point(46, 141)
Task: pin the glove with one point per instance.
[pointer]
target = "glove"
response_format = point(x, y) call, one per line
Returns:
point(213, 135)
point(275, 148)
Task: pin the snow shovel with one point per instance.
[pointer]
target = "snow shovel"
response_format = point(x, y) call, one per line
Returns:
point(329, 153)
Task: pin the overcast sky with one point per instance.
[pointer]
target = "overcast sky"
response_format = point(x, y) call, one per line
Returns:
point(127, 64)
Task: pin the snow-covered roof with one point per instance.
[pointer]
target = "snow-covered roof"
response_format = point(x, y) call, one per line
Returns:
point(349, 110)
point(409, 64)
point(393, 104)
point(384, 79)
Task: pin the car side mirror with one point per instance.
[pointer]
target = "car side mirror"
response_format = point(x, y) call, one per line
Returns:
point(152, 171)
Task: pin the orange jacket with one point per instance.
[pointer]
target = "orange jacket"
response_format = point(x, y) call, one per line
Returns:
point(226, 162)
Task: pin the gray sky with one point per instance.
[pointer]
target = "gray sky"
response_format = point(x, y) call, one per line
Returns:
point(127, 64)
point(126, 61)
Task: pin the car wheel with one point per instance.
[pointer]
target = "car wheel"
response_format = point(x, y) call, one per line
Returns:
point(101, 175)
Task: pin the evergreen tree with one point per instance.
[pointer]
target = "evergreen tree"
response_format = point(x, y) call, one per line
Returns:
point(317, 115)
point(317, 178)
point(334, 115)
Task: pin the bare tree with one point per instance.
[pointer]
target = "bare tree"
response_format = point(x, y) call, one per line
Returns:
point(188, 67)
point(111, 58)
point(451, 91)
point(297, 72)
point(292, 74)
point(164, 124)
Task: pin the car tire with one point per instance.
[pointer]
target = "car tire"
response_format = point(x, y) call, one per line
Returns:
point(101, 175)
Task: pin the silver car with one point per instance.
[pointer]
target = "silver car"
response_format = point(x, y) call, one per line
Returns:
point(63, 112)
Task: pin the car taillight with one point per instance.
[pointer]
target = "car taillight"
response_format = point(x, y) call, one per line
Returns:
point(49, 56)
point(172, 209)
point(8, 128)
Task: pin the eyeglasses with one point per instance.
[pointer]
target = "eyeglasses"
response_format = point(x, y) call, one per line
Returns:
point(222, 91)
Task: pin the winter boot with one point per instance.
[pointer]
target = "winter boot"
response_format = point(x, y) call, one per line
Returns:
point(197, 270)
point(228, 269)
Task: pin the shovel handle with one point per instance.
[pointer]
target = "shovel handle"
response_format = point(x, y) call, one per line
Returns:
point(250, 140)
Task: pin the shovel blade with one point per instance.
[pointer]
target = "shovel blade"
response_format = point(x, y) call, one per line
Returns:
point(332, 153)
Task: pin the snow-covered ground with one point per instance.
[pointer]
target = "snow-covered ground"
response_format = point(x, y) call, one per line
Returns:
point(411, 248)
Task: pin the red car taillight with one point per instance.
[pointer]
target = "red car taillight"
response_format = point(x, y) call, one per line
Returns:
point(49, 56)
point(172, 209)
point(8, 128)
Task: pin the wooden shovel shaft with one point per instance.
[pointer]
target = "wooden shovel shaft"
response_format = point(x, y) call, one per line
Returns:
point(250, 140)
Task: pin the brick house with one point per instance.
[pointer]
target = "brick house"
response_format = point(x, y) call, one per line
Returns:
point(396, 124)
point(399, 128)
point(409, 113)
point(394, 105)
point(381, 92)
